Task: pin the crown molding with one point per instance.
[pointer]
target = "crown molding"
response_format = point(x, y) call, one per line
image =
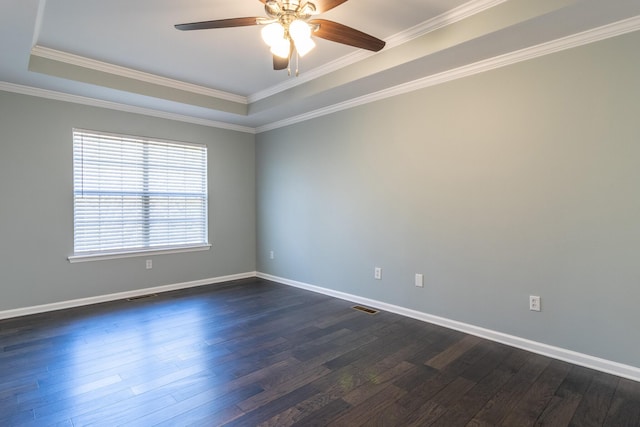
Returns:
point(76, 99)
point(601, 33)
point(450, 17)
point(81, 61)
point(38, 24)
point(457, 14)
point(590, 36)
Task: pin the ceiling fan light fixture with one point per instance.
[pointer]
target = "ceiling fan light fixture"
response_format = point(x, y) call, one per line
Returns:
point(273, 9)
point(272, 34)
point(299, 30)
point(304, 46)
point(289, 26)
point(281, 48)
point(307, 10)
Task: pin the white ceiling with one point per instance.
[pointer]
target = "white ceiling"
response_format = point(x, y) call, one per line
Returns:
point(126, 54)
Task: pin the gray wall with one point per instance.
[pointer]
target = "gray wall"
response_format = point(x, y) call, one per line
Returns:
point(515, 182)
point(36, 205)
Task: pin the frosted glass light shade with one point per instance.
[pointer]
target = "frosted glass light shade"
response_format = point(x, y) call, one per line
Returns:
point(281, 48)
point(301, 34)
point(272, 33)
point(304, 46)
point(299, 30)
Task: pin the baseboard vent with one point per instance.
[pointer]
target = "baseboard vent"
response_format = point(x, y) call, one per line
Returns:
point(365, 309)
point(142, 297)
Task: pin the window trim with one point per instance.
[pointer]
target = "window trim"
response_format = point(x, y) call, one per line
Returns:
point(140, 251)
point(137, 253)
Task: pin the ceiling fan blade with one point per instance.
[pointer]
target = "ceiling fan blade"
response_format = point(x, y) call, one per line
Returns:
point(325, 5)
point(339, 33)
point(218, 23)
point(280, 63)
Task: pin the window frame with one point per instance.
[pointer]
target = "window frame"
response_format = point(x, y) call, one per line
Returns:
point(122, 252)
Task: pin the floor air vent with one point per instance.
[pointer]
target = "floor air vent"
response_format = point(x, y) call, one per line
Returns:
point(142, 297)
point(365, 309)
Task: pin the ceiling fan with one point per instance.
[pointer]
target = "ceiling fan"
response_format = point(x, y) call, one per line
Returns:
point(289, 27)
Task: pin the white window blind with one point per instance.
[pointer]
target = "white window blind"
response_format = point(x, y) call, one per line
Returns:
point(134, 194)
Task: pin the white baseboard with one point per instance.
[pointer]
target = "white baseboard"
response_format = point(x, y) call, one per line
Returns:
point(592, 362)
point(120, 295)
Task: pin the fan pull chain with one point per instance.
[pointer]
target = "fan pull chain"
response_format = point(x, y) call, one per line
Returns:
point(297, 65)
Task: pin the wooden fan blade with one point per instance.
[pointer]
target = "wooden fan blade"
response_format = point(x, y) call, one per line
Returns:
point(325, 5)
point(280, 63)
point(339, 33)
point(218, 23)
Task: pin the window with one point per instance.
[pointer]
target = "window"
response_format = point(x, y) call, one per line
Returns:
point(133, 195)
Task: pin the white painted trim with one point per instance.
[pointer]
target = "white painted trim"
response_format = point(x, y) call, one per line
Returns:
point(576, 40)
point(452, 16)
point(120, 295)
point(38, 24)
point(139, 253)
point(92, 64)
point(607, 31)
point(603, 365)
point(82, 100)
point(457, 14)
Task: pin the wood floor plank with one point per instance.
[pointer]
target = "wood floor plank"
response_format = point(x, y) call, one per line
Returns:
point(625, 406)
point(124, 411)
point(299, 411)
point(263, 398)
point(595, 404)
point(206, 405)
point(463, 410)
point(510, 394)
point(559, 410)
point(324, 415)
point(453, 352)
point(622, 413)
point(425, 415)
point(375, 383)
point(370, 408)
point(203, 416)
point(252, 352)
point(537, 397)
point(267, 411)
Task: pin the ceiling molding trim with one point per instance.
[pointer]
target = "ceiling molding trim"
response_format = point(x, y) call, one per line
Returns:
point(590, 36)
point(450, 17)
point(76, 99)
point(38, 25)
point(81, 61)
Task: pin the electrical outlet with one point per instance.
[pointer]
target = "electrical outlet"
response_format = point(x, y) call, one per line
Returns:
point(272, 255)
point(419, 280)
point(377, 273)
point(534, 303)
point(149, 264)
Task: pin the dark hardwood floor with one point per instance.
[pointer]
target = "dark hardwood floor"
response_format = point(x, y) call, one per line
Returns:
point(252, 352)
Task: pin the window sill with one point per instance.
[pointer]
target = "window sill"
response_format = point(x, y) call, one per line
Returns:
point(137, 253)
